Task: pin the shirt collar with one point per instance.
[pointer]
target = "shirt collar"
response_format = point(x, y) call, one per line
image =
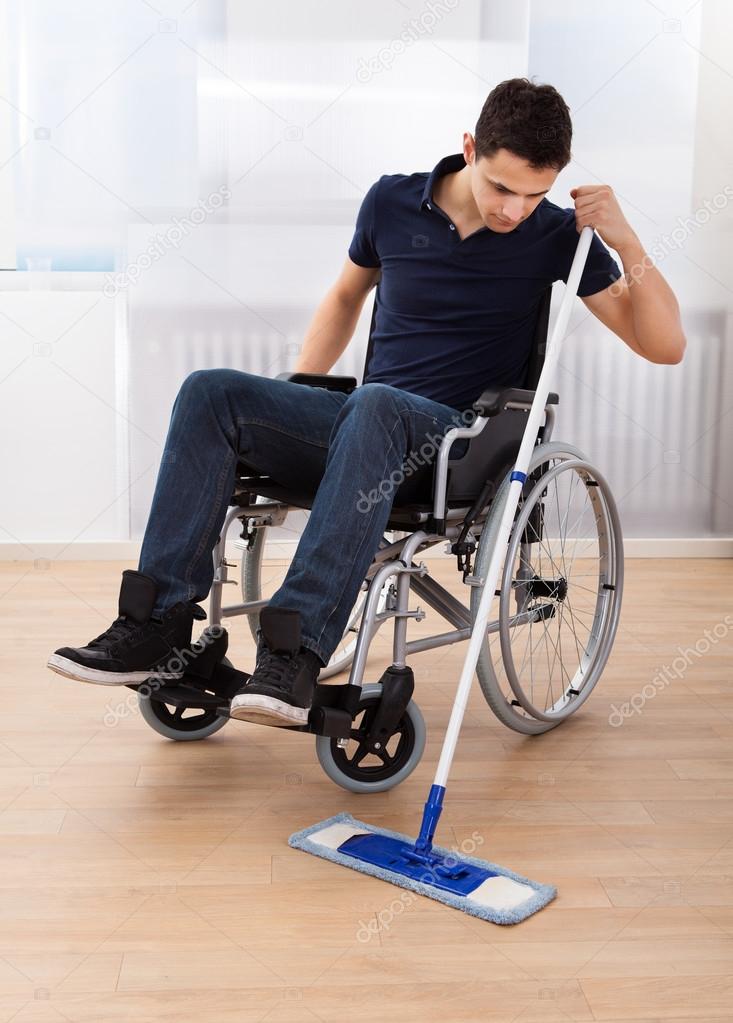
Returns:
point(448, 165)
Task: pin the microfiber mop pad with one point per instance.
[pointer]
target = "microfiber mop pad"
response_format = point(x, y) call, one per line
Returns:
point(495, 894)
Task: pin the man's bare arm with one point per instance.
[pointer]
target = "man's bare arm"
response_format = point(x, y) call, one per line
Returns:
point(641, 309)
point(335, 319)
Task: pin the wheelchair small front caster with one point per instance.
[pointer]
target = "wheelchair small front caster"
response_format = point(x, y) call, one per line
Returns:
point(360, 765)
point(178, 721)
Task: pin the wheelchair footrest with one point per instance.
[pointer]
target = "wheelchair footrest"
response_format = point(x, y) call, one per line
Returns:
point(186, 694)
point(335, 707)
point(226, 681)
point(215, 692)
point(333, 710)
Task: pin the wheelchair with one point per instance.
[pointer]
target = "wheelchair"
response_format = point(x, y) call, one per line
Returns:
point(559, 594)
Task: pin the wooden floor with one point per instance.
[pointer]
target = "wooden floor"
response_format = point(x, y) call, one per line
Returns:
point(149, 880)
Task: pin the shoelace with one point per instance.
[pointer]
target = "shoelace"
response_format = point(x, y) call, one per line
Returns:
point(279, 668)
point(120, 630)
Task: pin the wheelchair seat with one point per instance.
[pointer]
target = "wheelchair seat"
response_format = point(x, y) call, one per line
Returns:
point(488, 457)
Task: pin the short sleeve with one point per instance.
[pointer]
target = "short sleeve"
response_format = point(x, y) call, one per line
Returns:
point(600, 270)
point(363, 248)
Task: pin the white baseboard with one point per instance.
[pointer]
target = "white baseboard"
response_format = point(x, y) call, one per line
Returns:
point(129, 550)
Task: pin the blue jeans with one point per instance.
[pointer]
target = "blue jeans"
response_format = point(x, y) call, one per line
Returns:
point(352, 450)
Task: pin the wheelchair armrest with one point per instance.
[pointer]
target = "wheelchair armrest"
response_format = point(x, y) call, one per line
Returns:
point(328, 380)
point(492, 402)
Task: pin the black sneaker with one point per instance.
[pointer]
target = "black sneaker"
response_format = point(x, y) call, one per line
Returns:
point(280, 689)
point(136, 646)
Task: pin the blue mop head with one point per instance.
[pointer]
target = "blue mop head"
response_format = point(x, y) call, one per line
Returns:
point(494, 894)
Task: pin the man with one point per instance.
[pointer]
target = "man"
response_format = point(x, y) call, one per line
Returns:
point(461, 257)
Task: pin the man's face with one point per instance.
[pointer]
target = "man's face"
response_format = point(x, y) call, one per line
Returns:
point(505, 188)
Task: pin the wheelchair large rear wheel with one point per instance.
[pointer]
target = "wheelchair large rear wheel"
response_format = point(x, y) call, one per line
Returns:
point(260, 581)
point(559, 591)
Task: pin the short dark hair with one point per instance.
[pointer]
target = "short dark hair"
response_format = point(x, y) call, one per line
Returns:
point(532, 121)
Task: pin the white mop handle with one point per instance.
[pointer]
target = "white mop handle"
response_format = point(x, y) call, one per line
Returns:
point(529, 439)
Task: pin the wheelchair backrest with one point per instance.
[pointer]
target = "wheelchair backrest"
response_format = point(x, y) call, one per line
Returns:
point(493, 453)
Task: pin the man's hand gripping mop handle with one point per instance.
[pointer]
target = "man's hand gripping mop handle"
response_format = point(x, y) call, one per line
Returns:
point(519, 474)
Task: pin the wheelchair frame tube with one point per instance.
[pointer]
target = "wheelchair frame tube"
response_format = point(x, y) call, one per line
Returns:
point(441, 470)
point(518, 477)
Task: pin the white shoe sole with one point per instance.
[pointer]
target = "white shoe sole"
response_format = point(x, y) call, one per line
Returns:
point(81, 673)
point(267, 710)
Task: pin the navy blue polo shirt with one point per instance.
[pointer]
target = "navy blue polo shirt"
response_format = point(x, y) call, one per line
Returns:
point(457, 316)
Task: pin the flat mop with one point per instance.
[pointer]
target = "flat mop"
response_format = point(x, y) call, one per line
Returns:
point(474, 886)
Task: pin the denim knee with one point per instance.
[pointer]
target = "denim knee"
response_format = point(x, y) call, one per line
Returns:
point(208, 380)
point(374, 397)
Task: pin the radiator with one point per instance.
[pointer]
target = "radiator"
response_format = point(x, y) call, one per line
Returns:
point(659, 434)
point(165, 345)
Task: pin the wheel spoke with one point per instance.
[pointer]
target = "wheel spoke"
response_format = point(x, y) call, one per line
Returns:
point(361, 752)
point(385, 757)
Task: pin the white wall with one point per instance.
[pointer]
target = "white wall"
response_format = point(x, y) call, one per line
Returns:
point(7, 152)
point(62, 420)
point(145, 113)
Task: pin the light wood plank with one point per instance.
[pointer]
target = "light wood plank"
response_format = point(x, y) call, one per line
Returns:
point(141, 878)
